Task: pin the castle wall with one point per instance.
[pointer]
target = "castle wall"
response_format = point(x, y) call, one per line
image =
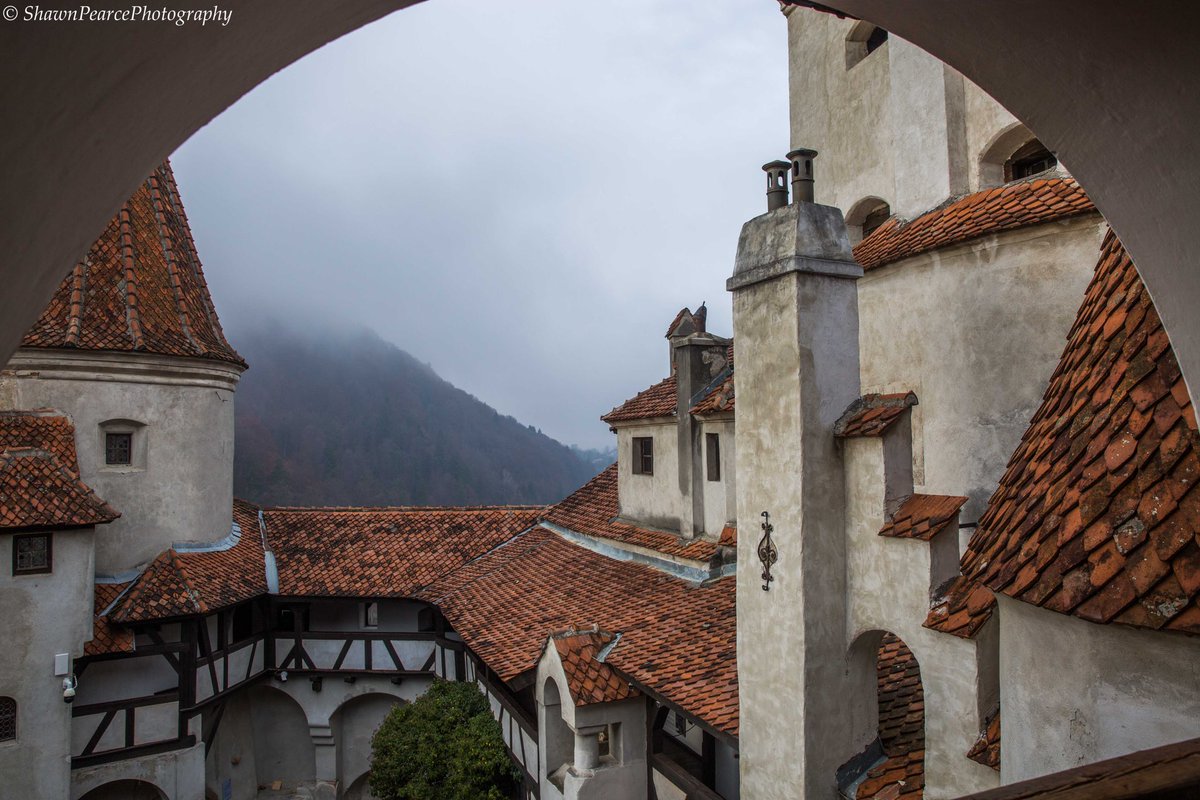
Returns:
point(178, 774)
point(43, 615)
point(1074, 692)
point(180, 486)
point(975, 330)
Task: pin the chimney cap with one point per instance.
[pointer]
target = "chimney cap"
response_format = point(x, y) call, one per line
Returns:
point(771, 166)
point(802, 152)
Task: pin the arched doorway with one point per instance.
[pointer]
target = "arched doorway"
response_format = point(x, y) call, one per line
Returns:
point(126, 790)
point(283, 747)
point(354, 724)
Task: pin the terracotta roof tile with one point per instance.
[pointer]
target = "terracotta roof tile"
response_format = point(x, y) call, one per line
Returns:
point(678, 639)
point(39, 475)
point(720, 398)
point(986, 749)
point(589, 680)
point(872, 414)
point(1097, 514)
point(657, 401)
point(901, 726)
point(961, 608)
point(383, 552)
point(1014, 205)
point(108, 637)
point(923, 516)
point(593, 510)
point(140, 287)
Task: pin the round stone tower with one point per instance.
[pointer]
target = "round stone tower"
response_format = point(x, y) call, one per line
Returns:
point(130, 346)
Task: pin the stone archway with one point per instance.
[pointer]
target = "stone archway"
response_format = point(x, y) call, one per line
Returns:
point(126, 790)
point(354, 724)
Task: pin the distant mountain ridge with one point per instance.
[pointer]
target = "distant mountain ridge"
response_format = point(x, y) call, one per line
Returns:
point(349, 419)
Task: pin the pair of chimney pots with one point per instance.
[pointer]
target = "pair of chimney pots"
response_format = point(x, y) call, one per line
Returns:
point(800, 164)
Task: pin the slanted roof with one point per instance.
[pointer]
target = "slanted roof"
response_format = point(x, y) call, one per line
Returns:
point(140, 288)
point(986, 749)
point(39, 475)
point(106, 636)
point(593, 510)
point(1003, 208)
point(678, 639)
point(589, 679)
point(658, 401)
point(961, 607)
point(720, 398)
point(383, 552)
point(873, 414)
point(1098, 515)
point(923, 516)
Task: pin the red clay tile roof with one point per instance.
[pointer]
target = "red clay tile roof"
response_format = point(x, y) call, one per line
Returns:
point(678, 639)
point(986, 749)
point(961, 608)
point(589, 680)
point(901, 726)
point(1004, 208)
point(140, 287)
point(106, 636)
point(728, 536)
point(42, 429)
point(593, 510)
point(657, 401)
point(720, 398)
point(923, 516)
point(872, 414)
point(1098, 513)
point(382, 552)
point(179, 584)
point(38, 491)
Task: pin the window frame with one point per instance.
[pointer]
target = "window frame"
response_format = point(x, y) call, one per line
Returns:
point(109, 436)
point(643, 455)
point(364, 620)
point(712, 457)
point(16, 542)
point(6, 700)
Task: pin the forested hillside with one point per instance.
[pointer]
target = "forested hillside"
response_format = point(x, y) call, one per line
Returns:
point(349, 419)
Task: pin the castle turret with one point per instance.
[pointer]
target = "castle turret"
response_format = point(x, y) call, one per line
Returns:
point(131, 348)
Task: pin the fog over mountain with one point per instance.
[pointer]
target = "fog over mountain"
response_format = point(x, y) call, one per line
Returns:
point(341, 417)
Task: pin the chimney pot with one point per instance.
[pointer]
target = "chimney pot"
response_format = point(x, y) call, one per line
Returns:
point(777, 190)
point(802, 174)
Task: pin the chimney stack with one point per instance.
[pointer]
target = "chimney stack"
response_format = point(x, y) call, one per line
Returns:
point(802, 174)
point(777, 190)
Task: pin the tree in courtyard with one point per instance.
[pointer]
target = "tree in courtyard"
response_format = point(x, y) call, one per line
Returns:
point(443, 746)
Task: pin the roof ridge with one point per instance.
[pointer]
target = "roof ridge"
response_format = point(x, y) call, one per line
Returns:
point(75, 310)
point(176, 202)
point(402, 509)
point(132, 314)
point(164, 240)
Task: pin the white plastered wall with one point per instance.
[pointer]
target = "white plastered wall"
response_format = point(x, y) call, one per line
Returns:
point(652, 500)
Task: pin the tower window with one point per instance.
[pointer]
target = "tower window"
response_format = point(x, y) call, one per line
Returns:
point(643, 455)
point(118, 449)
point(712, 452)
point(1028, 161)
point(31, 554)
point(8, 719)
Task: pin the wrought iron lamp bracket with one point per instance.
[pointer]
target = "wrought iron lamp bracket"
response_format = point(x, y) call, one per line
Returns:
point(767, 552)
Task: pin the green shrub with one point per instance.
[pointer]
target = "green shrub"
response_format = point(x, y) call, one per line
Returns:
point(443, 746)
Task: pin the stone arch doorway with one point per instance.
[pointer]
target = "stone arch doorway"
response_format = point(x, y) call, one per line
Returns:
point(283, 746)
point(63, 182)
point(126, 790)
point(354, 724)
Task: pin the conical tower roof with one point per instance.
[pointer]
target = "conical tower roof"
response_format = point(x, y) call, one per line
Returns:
point(140, 288)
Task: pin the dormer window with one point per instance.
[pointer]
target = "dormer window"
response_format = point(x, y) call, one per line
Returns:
point(643, 455)
point(118, 449)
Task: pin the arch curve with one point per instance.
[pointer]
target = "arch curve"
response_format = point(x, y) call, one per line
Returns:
point(126, 789)
point(865, 216)
point(354, 723)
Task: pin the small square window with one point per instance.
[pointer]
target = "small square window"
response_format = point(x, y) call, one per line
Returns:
point(643, 455)
point(31, 554)
point(712, 450)
point(118, 449)
point(370, 614)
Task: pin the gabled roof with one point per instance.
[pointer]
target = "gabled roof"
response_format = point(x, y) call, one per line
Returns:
point(39, 475)
point(873, 414)
point(658, 401)
point(383, 552)
point(589, 679)
point(1003, 208)
point(678, 639)
point(140, 288)
point(593, 510)
point(1098, 515)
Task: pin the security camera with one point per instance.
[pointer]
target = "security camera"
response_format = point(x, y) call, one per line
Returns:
point(283, 675)
point(69, 684)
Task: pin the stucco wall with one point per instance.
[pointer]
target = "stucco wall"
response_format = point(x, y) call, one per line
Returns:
point(720, 497)
point(975, 330)
point(1073, 692)
point(179, 774)
point(653, 500)
point(183, 491)
point(43, 615)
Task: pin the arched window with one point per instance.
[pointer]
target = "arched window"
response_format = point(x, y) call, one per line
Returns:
point(8, 719)
point(1030, 159)
point(863, 39)
point(865, 217)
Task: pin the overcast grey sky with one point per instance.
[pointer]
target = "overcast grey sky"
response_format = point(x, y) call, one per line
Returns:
point(520, 192)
